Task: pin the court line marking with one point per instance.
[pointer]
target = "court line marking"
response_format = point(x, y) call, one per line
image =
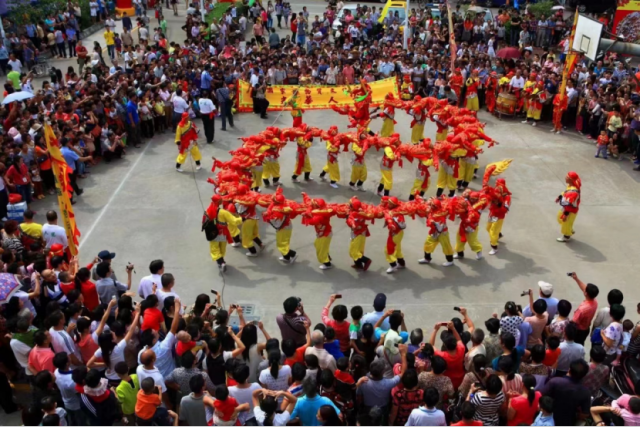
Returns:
point(85, 238)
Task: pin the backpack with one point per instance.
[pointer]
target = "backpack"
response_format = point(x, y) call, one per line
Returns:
point(210, 227)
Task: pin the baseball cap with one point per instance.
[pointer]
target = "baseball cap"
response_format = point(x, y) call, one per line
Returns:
point(545, 288)
point(380, 302)
point(106, 255)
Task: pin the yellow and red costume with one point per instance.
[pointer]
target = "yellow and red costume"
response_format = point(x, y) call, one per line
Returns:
point(358, 166)
point(386, 171)
point(395, 223)
point(535, 101)
point(569, 202)
point(468, 229)
point(225, 220)
point(447, 168)
point(422, 179)
point(471, 95)
point(490, 92)
point(303, 165)
point(279, 214)
point(270, 163)
point(498, 209)
point(246, 206)
point(357, 222)
point(456, 81)
point(438, 232)
point(527, 92)
point(186, 139)
point(388, 115)
point(406, 88)
point(332, 167)
point(417, 124)
point(296, 111)
point(319, 216)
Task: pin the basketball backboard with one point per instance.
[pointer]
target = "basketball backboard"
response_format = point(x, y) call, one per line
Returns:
point(587, 37)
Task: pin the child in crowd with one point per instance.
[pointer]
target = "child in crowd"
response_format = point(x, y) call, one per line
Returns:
point(226, 408)
point(415, 340)
point(50, 407)
point(331, 344)
point(627, 332)
point(148, 403)
point(602, 144)
point(614, 146)
point(354, 327)
point(553, 352)
point(298, 374)
point(313, 366)
point(127, 391)
point(545, 417)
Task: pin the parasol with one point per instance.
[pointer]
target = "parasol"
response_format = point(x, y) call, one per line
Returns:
point(557, 8)
point(477, 9)
point(8, 286)
point(509, 53)
point(17, 96)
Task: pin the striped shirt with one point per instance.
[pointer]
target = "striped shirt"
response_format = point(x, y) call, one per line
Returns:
point(487, 408)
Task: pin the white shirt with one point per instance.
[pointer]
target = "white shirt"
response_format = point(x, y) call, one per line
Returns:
point(110, 23)
point(206, 106)
point(143, 33)
point(517, 82)
point(26, 301)
point(162, 295)
point(117, 355)
point(146, 284)
point(21, 352)
point(179, 105)
point(153, 373)
point(67, 388)
point(61, 341)
point(254, 79)
point(53, 234)
point(15, 65)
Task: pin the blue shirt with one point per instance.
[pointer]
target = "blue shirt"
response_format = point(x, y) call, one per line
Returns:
point(31, 30)
point(373, 318)
point(205, 80)
point(334, 349)
point(307, 408)
point(132, 109)
point(71, 33)
point(386, 68)
point(4, 53)
point(519, 353)
point(541, 420)
point(70, 157)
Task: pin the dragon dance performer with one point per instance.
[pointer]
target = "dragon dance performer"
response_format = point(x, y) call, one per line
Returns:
point(442, 130)
point(417, 124)
point(448, 169)
point(406, 88)
point(386, 171)
point(220, 219)
point(456, 81)
point(270, 164)
point(357, 222)
point(490, 92)
point(246, 207)
point(500, 205)
point(527, 90)
point(396, 224)
point(332, 167)
point(320, 218)
point(279, 216)
point(358, 167)
point(569, 202)
point(302, 160)
point(296, 111)
point(388, 114)
point(534, 103)
point(186, 139)
point(468, 229)
point(471, 95)
point(234, 230)
point(422, 181)
point(438, 233)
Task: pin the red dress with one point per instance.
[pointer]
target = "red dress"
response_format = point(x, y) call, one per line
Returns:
point(455, 364)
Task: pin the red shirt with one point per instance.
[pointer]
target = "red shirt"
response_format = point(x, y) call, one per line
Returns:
point(81, 51)
point(181, 347)
point(298, 357)
point(90, 294)
point(42, 359)
point(584, 314)
point(152, 320)
point(341, 328)
point(472, 423)
point(551, 357)
point(67, 287)
point(226, 407)
point(525, 413)
point(19, 176)
point(455, 364)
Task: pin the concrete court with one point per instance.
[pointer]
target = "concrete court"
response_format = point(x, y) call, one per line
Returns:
point(142, 209)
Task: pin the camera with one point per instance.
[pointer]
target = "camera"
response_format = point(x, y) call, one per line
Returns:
point(571, 273)
point(214, 292)
point(524, 293)
point(456, 308)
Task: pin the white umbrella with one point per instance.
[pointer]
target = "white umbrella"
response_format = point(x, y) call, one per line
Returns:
point(17, 96)
point(557, 8)
point(477, 9)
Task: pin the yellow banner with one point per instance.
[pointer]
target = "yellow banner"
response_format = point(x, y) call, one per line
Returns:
point(314, 97)
point(63, 189)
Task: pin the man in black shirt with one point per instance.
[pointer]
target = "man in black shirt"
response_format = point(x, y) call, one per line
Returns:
point(571, 400)
point(515, 28)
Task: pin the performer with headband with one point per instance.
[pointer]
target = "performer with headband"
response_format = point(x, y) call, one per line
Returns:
point(569, 202)
point(186, 139)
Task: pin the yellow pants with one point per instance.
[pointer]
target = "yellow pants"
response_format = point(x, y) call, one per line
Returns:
point(256, 177)
point(250, 231)
point(356, 247)
point(465, 170)
point(494, 229)
point(322, 245)
point(195, 153)
point(472, 240)
point(566, 226)
point(533, 113)
point(445, 180)
point(417, 134)
point(333, 169)
point(283, 238)
point(270, 170)
point(418, 185)
point(358, 173)
point(441, 136)
point(233, 230)
point(443, 239)
point(386, 179)
point(397, 253)
point(306, 167)
point(388, 127)
point(473, 104)
point(217, 250)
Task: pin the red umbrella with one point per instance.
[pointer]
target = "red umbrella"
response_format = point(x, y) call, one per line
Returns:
point(509, 53)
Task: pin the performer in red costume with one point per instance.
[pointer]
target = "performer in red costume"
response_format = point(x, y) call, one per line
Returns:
point(490, 92)
point(357, 222)
point(186, 139)
point(319, 216)
point(468, 229)
point(455, 82)
point(396, 224)
point(221, 219)
point(569, 202)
